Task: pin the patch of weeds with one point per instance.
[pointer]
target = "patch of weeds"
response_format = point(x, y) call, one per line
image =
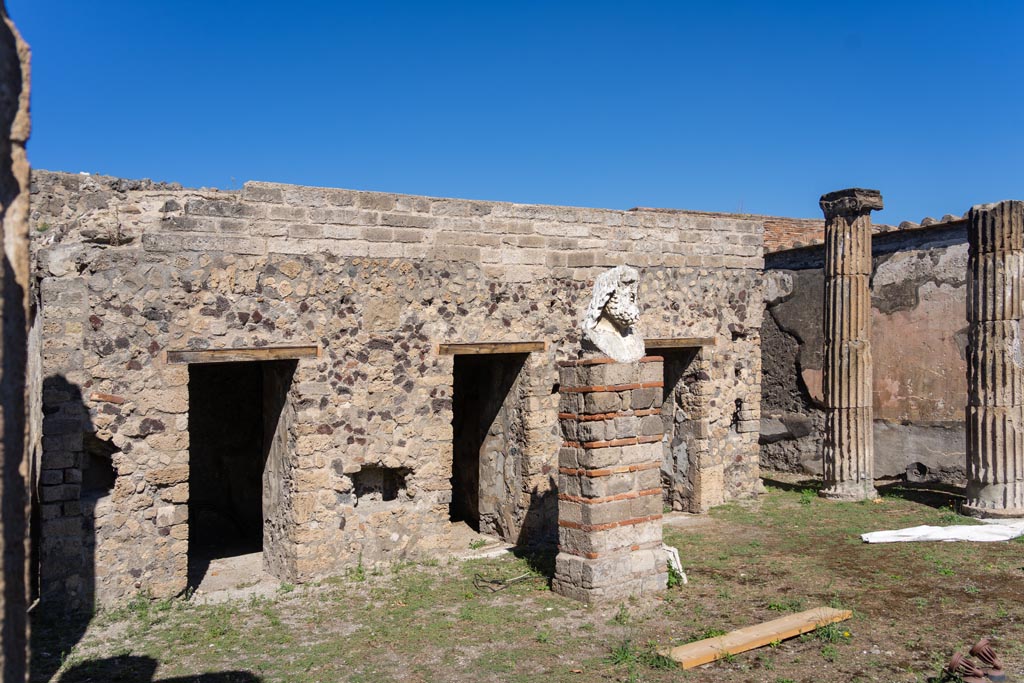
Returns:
point(357, 573)
point(705, 634)
point(622, 616)
point(791, 605)
point(829, 653)
point(949, 516)
point(806, 496)
point(836, 602)
point(477, 544)
point(625, 653)
point(830, 633)
point(675, 578)
point(543, 636)
point(971, 589)
point(286, 588)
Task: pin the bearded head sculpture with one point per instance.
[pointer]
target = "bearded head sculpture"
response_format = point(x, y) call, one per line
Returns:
point(609, 324)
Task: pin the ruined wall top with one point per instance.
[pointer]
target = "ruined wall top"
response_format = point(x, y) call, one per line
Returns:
point(515, 241)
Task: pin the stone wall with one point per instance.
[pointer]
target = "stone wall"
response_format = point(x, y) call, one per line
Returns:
point(130, 270)
point(15, 319)
point(918, 345)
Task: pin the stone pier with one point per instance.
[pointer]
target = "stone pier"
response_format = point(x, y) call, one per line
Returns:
point(846, 366)
point(995, 369)
point(609, 500)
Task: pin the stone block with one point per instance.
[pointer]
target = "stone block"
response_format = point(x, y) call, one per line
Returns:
point(570, 457)
point(570, 484)
point(648, 479)
point(645, 399)
point(622, 427)
point(570, 403)
point(610, 485)
point(604, 542)
point(592, 430)
point(595, 458)
point(651, 425)
point(168, 476)
point(652, 372)
point(597, 402)
point(647, 506)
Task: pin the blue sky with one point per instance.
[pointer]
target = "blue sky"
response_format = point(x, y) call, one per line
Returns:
point(718, 106)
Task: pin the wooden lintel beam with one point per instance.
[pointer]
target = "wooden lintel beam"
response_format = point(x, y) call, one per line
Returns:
point(253, 353)
point(679, 342)
point(482, 348)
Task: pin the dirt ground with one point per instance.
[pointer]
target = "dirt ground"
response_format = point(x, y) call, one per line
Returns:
point(914, 604)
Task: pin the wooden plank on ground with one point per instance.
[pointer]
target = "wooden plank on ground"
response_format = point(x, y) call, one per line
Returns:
point(750, 637)
point(255, 353)
point(678, 342)
point(482, 348)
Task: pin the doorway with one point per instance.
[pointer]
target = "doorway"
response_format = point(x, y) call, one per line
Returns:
point(489, 435)
point(234, 411)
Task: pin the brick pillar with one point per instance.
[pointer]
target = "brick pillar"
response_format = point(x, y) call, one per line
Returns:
point(995, 370)
point(609, 500)
point(846, 372)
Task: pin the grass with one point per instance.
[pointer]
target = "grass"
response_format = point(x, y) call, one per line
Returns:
point(914, 605)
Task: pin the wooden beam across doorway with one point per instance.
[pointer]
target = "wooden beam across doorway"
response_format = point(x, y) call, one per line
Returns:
point(679, 342)
point(252, 353)
point(482, 348)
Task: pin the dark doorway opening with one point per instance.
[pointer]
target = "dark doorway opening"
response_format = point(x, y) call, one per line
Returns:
point(679, 412)
point(489, 435)
point(233, 417)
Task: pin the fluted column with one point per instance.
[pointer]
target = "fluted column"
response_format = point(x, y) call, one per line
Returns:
point(995, 367)
point(846, 369)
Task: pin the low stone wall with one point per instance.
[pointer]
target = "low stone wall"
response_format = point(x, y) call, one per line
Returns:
point(130, 270)
point(918, 342)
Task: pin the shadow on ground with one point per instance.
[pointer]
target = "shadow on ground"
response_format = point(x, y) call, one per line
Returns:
point(934, 495)
point(135, 669)
point(798, 486)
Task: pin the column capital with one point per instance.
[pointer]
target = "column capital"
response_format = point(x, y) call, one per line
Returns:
point(854, 201)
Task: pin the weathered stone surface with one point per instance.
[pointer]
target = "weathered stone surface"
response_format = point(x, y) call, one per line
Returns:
point(14, 356)
point(610, 498)
point(918, 348)
point(846, 378)
point(995, 367)
point(377, 281)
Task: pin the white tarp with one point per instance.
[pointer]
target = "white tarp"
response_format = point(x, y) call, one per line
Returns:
point(1002, 530)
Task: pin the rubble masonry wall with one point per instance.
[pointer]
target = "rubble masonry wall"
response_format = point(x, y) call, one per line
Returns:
point(127, 270)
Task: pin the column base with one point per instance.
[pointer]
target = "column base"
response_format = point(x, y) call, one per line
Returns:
point(995, 500)
point(849, 491)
